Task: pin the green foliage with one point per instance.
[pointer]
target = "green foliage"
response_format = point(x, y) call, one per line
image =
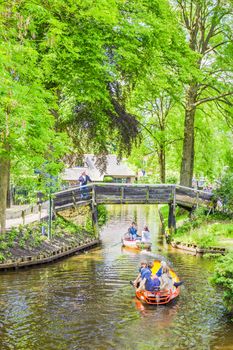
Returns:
point(103, 72)
point(180, 214)
point(199, 237)
point(102, 214)
point(28, 137)
point(193, 232)
point(225, 190)
point(206, 231)
point(2, 257)
point(223, 276)
point(108, 179)
point(66, 226)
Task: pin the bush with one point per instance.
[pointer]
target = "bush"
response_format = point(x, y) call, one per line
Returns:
point(225, 191)
point(102, 214)
point(201, 238)
point(2, 257)
point(223, 276)
point(108, 179)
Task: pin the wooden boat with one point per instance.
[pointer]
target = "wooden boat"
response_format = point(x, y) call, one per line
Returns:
point(159, 297)
point(135, 244)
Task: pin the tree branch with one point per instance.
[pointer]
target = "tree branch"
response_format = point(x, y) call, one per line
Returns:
point(208, 99)
point(214, 47)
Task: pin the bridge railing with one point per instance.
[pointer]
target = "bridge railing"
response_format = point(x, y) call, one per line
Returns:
point(185, 195)
point(126, 193)
point(72, 197)
point(130, 193)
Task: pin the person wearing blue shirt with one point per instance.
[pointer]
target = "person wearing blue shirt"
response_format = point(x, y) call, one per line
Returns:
point(142, 267)
point(83, 181)
point(148, 283)
point(133, 230)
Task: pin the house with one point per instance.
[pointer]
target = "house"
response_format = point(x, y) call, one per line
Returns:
point(116, 171)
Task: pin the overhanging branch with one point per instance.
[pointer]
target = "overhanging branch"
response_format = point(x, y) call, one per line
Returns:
point(208, 99)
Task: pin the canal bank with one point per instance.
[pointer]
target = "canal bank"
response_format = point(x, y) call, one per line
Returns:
point(70, 232)
point(209, 235)
point(202, 230)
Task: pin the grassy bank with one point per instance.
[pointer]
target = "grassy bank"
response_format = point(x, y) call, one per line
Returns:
point(215, 230)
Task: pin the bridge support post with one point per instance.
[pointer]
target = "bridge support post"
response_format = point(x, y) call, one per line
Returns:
point(172, 215)
point(171, 218)
point(94, 214)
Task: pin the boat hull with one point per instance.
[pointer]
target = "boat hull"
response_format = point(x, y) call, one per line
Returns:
point(136, 244)
point(158, 298)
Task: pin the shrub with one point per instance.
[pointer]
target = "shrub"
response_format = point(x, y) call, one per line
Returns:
point(2, 257)
point(102, 214)
point(225, 191)
point(108, 179)
point(223, 276)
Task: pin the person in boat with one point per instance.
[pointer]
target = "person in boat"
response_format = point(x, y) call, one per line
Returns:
point(147, 282)
point(136, 282)
point(162, 267)
point(146, 237)
point(144, 266)
point(165, 278)
point(133, 231)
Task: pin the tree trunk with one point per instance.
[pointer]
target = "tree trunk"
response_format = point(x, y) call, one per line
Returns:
point(186, 173)
point(8, 200)
point(4, 171)
point(162, 163)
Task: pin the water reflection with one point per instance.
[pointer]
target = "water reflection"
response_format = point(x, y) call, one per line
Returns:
point(86, 302)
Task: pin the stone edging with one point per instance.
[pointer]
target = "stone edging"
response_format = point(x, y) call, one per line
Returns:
point(193, 248)
point(44, 257)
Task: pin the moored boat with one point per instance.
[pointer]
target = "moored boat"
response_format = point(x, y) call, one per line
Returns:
point(159, 297)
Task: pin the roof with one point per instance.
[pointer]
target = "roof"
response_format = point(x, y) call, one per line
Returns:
point(114, 168)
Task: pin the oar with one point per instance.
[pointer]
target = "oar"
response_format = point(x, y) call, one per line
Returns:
point(131, 282)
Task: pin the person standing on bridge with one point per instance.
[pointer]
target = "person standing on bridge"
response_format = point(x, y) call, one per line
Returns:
point(83, 180)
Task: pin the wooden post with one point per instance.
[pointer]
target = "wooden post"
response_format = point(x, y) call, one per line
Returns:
point(23, 216)
point(122, 194)
point(171, 218)
point(39, 210)
point(147, 194)
point(93, 197)
point(174, 204)
point(172, 213)
point(73, 199)
point(94, 213)
point(197, 199)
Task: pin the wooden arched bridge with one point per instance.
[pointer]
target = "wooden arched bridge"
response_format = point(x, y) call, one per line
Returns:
point(109, 193)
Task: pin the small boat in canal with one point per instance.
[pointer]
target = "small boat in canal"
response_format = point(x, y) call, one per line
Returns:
point(135, 244)
point(159, 297)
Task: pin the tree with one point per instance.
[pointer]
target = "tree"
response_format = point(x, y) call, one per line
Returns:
point(207, 25)
point(72, 66)
point(159, 121)
point(26, 125)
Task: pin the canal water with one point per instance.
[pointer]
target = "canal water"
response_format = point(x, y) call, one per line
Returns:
point(86, 302)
